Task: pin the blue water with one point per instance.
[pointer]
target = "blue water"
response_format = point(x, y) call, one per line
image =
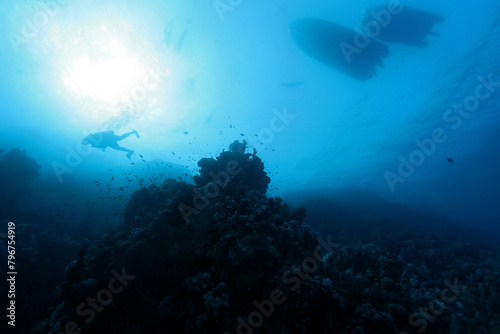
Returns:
point(418, 143)
point(219, 78)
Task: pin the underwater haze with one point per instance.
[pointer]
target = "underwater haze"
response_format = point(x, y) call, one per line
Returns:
point(207, 148)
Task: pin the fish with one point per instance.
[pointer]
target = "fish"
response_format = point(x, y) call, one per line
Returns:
point(141, 156)
point(408, 26)
point(112, 179)
point(450, 160)
point(335, 46)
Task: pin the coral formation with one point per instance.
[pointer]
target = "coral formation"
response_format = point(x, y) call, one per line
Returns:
point(248, 263)
point(16, 169)
point(16, 166)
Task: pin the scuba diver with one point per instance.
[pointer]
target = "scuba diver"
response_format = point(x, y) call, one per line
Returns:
point(106, 139)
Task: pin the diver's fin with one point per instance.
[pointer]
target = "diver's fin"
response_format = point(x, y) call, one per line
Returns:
point(136, 134)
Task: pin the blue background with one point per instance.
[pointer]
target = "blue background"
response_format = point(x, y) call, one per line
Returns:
point(221, 76)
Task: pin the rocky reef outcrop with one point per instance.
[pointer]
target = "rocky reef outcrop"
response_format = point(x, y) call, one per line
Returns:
point(219, 256)
point(16, 170)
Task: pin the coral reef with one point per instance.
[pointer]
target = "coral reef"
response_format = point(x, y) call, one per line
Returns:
point(247, 263)
point(16, 170)
point(249, 174)
point(16, 166)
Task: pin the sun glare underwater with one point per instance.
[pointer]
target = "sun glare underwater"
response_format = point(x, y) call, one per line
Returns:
point(232, 166)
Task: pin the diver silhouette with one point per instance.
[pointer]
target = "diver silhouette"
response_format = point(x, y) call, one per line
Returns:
point(106, 139)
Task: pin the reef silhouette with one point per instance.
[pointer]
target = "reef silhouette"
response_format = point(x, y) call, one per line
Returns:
point(248, 263)
point(16, 171)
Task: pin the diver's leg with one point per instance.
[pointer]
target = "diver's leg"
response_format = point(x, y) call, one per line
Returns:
point(125, 135)
point(120, 148)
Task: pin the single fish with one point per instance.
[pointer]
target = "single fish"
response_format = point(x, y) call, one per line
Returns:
point(450, 160)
